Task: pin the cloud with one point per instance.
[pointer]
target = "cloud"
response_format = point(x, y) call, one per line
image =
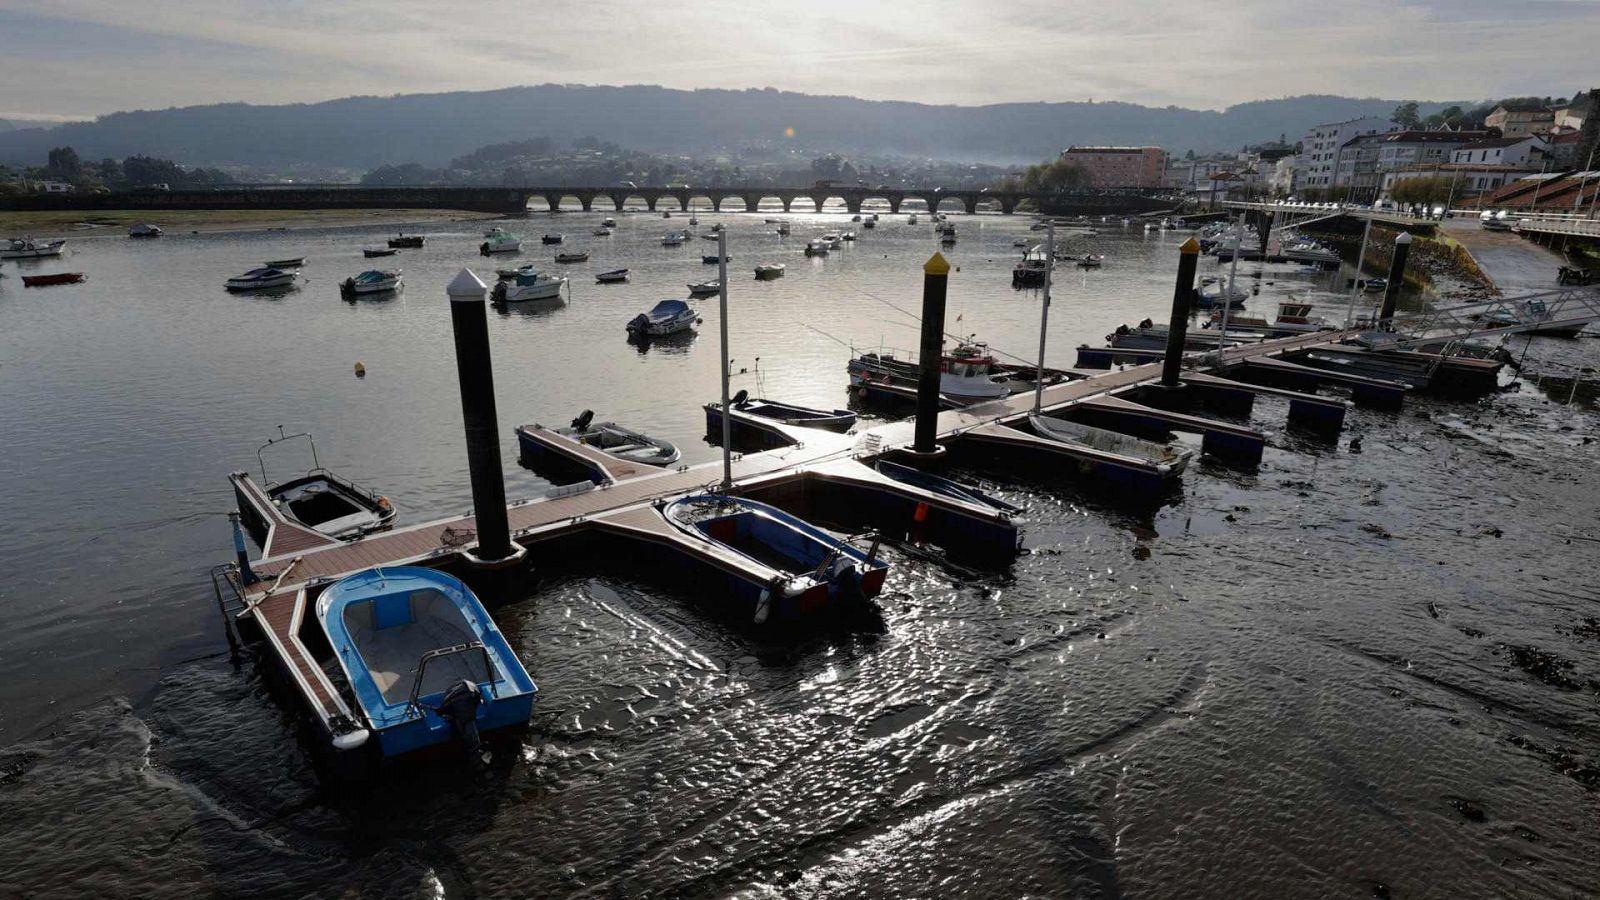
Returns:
point(77, 56)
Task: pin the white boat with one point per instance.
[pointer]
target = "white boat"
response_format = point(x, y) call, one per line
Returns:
point(574, 256)
point(967, 374)
point(615, 440)
point(831, 239)
point(508, 274)
point(500, 242)
point(666, 317)
point(1167, 461)
point(528, 285)
point(261, 279)
point(673, 239)
point(28, 248)
point(817, 247)
point(144, 230)
point(695, 220)
point(704, 288)
point(372, 281)
point(608, 222)
point(770, 270)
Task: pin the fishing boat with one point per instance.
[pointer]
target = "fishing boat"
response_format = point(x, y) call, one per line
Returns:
point(818, 573)
point(528, 284)
point(372, 281)
point(406, 241)
point(666, 317)
point(1165, 460)
point(144, 230)
point(704, 288)
point(770, 270)
point(288, 262)
point(713, 259)
point(424, 662)
point(615, 276)
point(501, 242)
point(54, 278)
point(1031, 270)
point(376, 252)
point(28, 248)
point(943, 486)
point(615, 440)
point(840, 420)
point(608, 222)
point(322, 501)
point(947, 234)
point(262, 279)
point(968, 374)
point(552, 238)
point(575, 256)
point(817, 248)
point(601, 232)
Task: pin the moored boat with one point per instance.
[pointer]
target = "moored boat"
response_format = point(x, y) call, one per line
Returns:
point(770, 270)
point(819, 574)
point(411, 241)
point(552, 238)
point(1090, 261)
point(323, 501)
point(288, 262)
point(28, 248)
point(574, 256)
point(500, 242)
point(614, 276)
point(1031, 270)
point(144, 230)
point(713, 259)
point(424, 660)
point(665, 318)
point(1163, 459)
point(673, 239)
point(54, 278)
point(262, 279)
point(817, 248)
point(372, 281)
point(941, 485)
point(608, 222)
point(788, 413)
point(601, 232)
point(528, 284)
point(619, 441)
point(704, 288)
point(783, 229)
point(376, 252)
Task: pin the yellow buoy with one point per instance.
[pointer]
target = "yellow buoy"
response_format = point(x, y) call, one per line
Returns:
point(361, 370)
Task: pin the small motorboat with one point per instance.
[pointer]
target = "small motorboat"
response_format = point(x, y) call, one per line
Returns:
point(788, 413)
point(623, 443)
point(819, 574)
point(855, 218)
point(608, 222)
point(673, 239)
point(144, 230)
point(1375, 285)
point(372, 281)
point(424, 661)
point(601, 232)
point(288, 262)
point(666, 214)
point(575, 256)
point(28, 248)
point(553, 238)
point(615, 276)
point(666, 317)
point(770, 270)
point(55, 278)
point(1020, 242)
point(1166, 461)
point(376, 252)
point(406, 241)
point(773, 221)
point(709, 237)
point(713, 259)
point(911, 219)
point(832, 240)
point(817, 248)
point(508, 274)
point(500, 242)
point(715, 227)
point(870, 223)
point(1090, 261)
point(704, 288)
point(1031, 270)
point(1211, 296)
point(848, 236)
point(325, 502)
point(262, 279)
point(528, 284)
point(967, 374)
point(943, 486)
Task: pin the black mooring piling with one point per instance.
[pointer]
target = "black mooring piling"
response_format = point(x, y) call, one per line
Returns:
point(469, 320)
point(935, 283)
point(1266, 232)
point(1397, 277)
point(1182, 298)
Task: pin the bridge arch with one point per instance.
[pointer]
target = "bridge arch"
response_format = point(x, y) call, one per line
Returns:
point(893, 200)
point(712, 200)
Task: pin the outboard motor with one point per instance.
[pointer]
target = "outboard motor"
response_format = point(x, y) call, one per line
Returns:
point(739, 398)
point(581, 423)
point(459, 707)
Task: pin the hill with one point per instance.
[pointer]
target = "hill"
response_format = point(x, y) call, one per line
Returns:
point(362, 132)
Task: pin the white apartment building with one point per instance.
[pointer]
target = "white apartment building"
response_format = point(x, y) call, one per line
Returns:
point(1319, 149)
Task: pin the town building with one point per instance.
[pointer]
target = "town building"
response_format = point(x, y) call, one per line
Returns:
point(1466, 179)
point(1285, 176)
point(1572, 114)
point(1504, 151)
point(56, 187)
point(1319, 149)
point(1520, 118)
point(1363, 160)
point(1117, 167)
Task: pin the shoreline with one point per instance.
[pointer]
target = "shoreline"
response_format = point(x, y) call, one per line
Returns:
point(115, 223)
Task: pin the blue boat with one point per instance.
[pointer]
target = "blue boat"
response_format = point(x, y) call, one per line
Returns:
point(942, 486)
point(424, 660)
point(820, 574)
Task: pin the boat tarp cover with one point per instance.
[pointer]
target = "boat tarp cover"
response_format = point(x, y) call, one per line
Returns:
point(669, 308)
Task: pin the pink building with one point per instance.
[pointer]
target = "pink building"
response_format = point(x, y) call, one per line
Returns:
point(1116, 167)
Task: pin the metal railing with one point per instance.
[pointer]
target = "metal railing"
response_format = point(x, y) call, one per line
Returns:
point(1565, 307)
point(413, 706)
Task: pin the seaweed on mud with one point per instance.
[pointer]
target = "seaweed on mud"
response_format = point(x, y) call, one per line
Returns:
point(1541, 664)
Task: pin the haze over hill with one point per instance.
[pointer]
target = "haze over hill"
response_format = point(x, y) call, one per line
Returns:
point(361, 132)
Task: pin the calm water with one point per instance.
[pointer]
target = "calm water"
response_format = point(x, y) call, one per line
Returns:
point(1342, 674)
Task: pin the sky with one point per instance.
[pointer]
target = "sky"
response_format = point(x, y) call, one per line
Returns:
point(67, 59)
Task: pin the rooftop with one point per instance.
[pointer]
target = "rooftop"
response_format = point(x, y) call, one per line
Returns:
point(1425, 137)
point(1491, 143)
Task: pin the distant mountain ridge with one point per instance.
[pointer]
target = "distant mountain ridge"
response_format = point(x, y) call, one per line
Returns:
point(362, 132)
